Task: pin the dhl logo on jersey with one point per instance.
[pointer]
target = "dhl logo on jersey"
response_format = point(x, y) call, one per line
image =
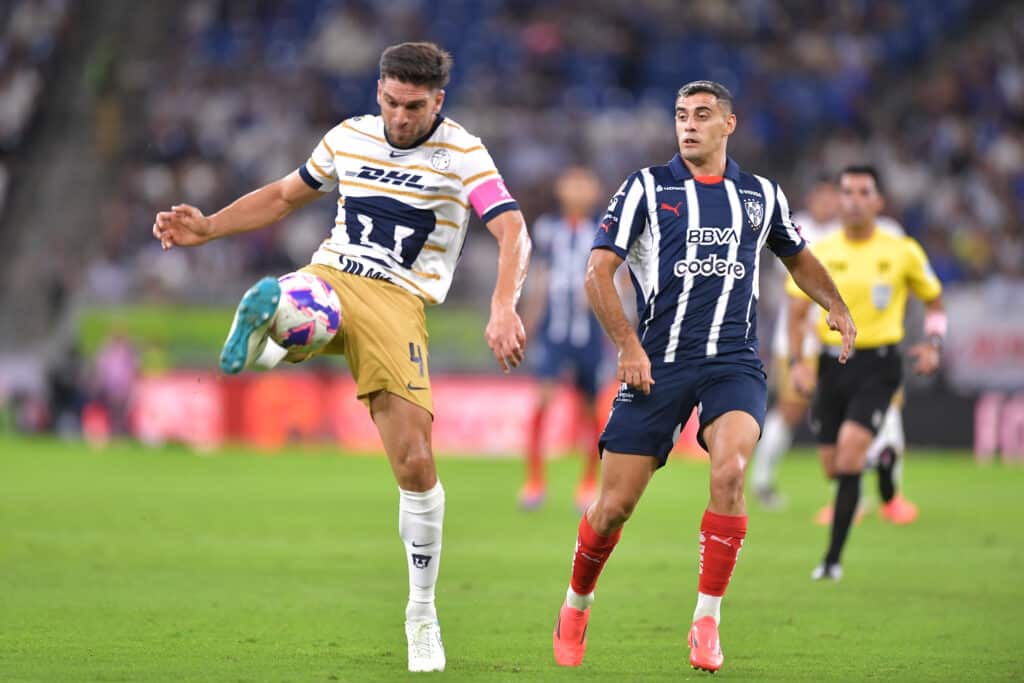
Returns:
point(392, 177)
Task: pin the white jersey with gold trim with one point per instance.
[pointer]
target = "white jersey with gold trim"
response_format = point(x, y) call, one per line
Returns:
point(403, 212)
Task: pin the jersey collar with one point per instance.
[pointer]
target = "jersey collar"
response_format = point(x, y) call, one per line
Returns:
point(426, 136)
point(681, 172)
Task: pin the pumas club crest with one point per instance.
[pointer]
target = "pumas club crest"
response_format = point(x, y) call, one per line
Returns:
point(440, 160)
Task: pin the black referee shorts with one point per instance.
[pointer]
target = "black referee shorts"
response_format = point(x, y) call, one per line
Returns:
point(860, 390)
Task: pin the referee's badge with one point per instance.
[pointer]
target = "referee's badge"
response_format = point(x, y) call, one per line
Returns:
point(881, 295)
point(755, 212)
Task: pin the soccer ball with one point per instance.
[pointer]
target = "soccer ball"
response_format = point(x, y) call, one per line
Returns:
point(308, 316)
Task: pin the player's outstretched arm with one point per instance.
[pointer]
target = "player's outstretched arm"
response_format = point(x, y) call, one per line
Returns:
point(811, 277)
point(504, 333)
point(634, 365)
point(186, 226)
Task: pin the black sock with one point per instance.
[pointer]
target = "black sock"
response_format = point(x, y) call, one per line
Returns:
point(886, 469)
point(847, 498)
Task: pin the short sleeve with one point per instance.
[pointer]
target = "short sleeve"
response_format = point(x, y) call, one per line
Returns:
point(484, 186)
point(920, 276)
point(625, 218)
point(784, 237)
point(319, 171)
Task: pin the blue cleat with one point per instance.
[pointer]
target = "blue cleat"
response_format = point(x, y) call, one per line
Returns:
point(251, 326)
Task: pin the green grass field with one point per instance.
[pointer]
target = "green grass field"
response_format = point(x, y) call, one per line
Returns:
point(158, 565)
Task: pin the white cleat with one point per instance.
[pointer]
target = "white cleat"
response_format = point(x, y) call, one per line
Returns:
point(832, 572)
point(426, 651)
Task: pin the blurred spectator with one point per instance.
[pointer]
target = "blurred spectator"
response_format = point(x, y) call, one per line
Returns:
point(116, 371)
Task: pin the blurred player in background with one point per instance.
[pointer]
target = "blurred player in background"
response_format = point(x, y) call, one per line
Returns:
point(819, 219)
point(564, 333)
point(691, 232)
point(407, 180)
point(874, 269)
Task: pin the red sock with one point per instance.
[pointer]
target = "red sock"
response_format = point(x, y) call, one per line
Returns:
point(592, 551)
point(534, 454)
point(721, 537)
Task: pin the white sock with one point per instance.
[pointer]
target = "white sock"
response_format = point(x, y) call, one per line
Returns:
point(889, 436)
point(578, 600)
point(776, 439)
point(708, 606)
point(420, 518)
point(272, 354)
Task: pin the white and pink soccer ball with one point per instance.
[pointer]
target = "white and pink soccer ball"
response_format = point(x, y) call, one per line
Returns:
point(308, 315)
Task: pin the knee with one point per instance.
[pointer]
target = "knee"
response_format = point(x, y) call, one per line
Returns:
point(610, 512)
point(414, 466)
point(727, 474)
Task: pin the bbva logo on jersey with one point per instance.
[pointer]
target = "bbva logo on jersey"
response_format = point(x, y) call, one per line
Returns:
point(709, 236)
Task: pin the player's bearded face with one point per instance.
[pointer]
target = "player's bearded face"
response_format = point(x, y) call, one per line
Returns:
point(703, 126)
point(408, 110)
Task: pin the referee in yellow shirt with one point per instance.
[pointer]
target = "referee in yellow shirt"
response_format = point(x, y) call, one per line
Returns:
point(873, 271)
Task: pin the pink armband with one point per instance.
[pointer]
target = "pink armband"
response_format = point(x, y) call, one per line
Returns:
point(489, 195)
point(936, 324)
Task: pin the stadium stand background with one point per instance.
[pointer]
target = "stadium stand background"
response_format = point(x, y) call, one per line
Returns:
point(111, 111)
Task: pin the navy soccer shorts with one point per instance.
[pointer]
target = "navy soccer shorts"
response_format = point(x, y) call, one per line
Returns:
point(650, 424)
point(585, 364)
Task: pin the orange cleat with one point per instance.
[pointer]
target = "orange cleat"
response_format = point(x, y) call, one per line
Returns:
point(570, 636)
point(899, 510)
point(824, 516)
point(705, 650)
point(532, 495)
point(586, 493)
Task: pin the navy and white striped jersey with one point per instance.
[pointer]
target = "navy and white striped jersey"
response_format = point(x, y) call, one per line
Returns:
point(694, 250)
point(563, 249)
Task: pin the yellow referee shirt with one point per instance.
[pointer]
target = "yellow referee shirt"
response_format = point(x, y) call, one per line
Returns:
point(873, 275)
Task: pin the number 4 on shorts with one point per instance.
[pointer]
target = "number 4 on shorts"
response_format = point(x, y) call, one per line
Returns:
point(416, 355)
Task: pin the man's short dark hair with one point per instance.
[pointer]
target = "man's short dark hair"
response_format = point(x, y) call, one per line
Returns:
point(710, 87)
point(863, 169)
point(416, 63)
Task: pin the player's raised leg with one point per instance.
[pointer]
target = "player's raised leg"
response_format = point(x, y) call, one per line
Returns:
point(624, 480)
point(405, 431)
point(293, 316)
point(730, 438)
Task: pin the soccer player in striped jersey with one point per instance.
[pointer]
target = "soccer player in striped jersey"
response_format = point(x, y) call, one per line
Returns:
point(692, 233)
point(565, 335)
point(407, 180)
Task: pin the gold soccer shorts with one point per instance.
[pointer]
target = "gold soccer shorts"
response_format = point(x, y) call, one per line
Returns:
point(383, 335)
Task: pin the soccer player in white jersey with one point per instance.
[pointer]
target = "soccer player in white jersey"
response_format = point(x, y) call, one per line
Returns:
point(407, 180)
point(819, 219)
